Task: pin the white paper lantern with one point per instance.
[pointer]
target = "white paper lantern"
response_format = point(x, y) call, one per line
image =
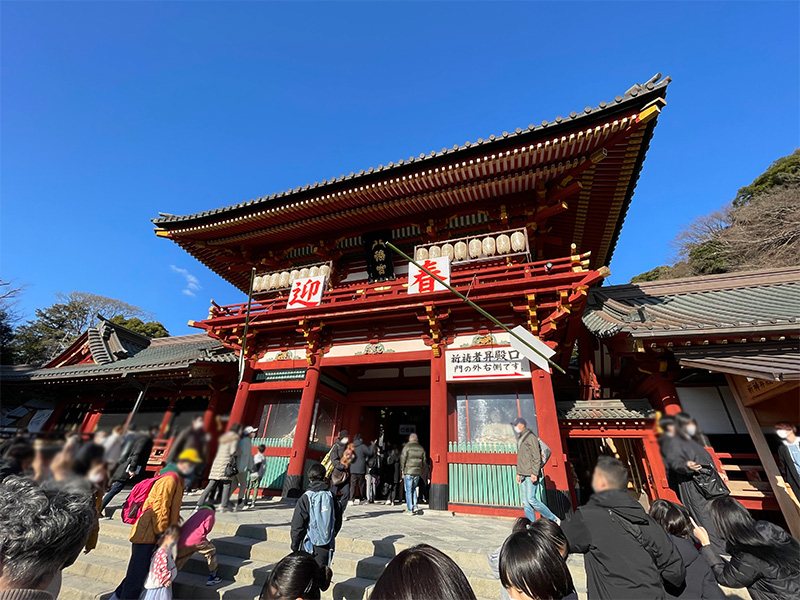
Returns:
point(313, 272)
point(434, 252)
point(503, 244)
point(461, 251)
point(422, 254)
point(257, 283)
point(294, 275)
point(488, 246)
point(274, 279)
point(448, 251)
point(285, 279)
point(518, 241)
point(325, 271)
point(304, 273)
point(475, 248)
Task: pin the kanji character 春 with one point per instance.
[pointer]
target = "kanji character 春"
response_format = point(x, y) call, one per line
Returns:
point(425, 282)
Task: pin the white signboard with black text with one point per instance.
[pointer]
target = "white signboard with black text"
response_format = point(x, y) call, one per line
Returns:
point(486, 364)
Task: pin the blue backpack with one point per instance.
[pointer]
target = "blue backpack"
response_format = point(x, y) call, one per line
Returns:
point(321, 518)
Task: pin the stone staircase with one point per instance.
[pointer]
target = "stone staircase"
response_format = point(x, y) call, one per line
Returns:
point(246, 555)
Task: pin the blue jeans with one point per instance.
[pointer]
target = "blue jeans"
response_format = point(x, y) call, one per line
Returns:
point(115, 489)
point(531, 503)
point(411, 482)
point(138, 568)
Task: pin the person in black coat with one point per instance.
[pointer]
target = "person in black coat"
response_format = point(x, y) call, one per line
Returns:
point(700, 583)
point(301, 517)
point(665, 442)
point(394, 477)
point(358, 468)
point(132, 468)
point(764, 558)
point(685, 457)
point(627, 554)
point(789, 455)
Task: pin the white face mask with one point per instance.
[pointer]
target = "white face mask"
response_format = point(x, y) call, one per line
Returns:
point(345, 440)
point(782, 433)
point(96, 477)
point(691, 430)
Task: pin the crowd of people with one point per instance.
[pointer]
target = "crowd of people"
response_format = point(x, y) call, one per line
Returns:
point(52, 494)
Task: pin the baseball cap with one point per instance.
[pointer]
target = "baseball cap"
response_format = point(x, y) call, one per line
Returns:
point(248, 430)
point(191, 455)
point(519, 421)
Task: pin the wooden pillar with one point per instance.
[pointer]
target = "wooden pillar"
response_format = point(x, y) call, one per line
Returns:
point(293, 484)
point(549, 431)
point(787, 505)
point(167, 417)
point(586, 363)
point(209, 417)
point(92, 417)
point(656, 464)
point(439, 492)
point(666, 395)
point(242, 394)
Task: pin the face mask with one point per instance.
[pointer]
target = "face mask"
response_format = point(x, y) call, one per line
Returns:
point(783, 433)
point(691, 430)
point(96, 477)
point(187, 470)
point(345, 440)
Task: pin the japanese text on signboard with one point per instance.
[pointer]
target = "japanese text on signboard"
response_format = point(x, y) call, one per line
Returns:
point(419, 282)
point(306, 292)
point(488, 363)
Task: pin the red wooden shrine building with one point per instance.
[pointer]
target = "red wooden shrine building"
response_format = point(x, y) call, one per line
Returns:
point(528, 220)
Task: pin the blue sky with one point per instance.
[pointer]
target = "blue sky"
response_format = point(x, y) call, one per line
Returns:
point(114, 111)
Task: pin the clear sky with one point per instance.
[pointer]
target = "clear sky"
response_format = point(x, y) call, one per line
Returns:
point(114, 111)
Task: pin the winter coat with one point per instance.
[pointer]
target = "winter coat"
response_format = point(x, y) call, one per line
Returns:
point(337, 455)
point(529, 454)
point(618, 565)
point(113, 448)
point(300, 516)
point(678, 453)
point(141, 448)
point(189, 437)
point(763, 579)
point(225, 450)
point(412, 459)
point(664, 443)
point(362, 455)
point(788, 470)
point(161, 509)
point(393, 461)
point(700, 583)
point(244, 460)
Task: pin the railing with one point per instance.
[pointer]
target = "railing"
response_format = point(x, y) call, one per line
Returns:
point(747, 479)
point(488, 281)
point(483, 473)
point(272, 442)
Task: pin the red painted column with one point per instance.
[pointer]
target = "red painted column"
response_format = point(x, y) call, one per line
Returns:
point(293, 484)
point(439, 493)
point(242, 393)
point(549, 431)
point(209, 417)
point(666, 398)
point(167, 417)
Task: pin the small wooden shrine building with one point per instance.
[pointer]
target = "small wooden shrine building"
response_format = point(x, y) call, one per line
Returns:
point(725, 348)
point(340, 336)
point(112, 376)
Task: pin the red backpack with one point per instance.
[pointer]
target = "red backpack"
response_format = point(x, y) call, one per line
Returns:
point(132, 509)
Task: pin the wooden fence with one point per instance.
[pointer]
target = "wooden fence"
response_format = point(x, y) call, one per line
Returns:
point(483, 473)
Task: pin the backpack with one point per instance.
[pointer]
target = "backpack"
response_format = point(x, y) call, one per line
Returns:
point(321, 517)
point(546, 452)
point(132, 509)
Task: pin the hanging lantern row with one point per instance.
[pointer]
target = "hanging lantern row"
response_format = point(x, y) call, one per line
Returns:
point(484, 247)
point(283, 280)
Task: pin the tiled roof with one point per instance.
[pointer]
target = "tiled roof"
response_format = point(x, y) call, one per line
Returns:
point(163, 354)
point(574, 118)
point(756, 302)
point(577, 410)
point(776, 361)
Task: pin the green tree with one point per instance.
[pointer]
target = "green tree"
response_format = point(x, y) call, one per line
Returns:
point(8, 319)
point(57, 326)
point(784, 172)
point(151, 329)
